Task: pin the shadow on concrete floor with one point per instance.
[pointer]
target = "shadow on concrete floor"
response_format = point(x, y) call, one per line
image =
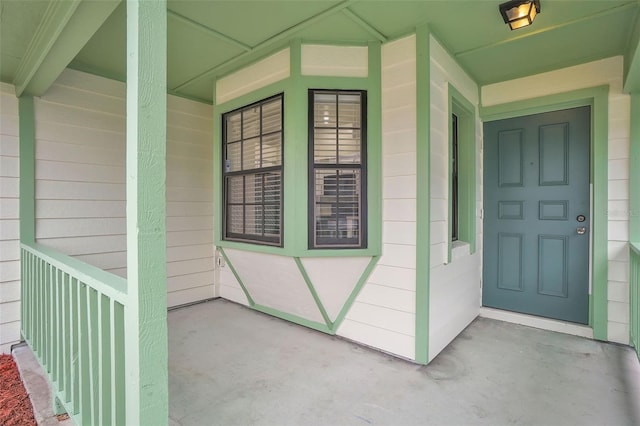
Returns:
point(229, 365)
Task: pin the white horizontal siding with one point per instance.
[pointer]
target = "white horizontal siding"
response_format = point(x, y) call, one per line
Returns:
point(190, 265)
point(603, 72)
point(383, 314)
point(335, 61)
point(80, 181)
point(260, 74)
point(454, 289)
point(9, 219)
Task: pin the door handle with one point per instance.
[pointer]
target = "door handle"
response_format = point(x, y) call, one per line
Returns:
point(581, 230)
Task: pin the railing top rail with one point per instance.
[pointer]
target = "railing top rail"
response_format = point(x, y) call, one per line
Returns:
point(105, 282)
point(635, 247)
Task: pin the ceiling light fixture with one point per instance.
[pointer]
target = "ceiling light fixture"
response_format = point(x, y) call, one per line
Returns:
point(519, 13)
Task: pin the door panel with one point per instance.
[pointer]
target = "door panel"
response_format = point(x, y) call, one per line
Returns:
point(536, 184)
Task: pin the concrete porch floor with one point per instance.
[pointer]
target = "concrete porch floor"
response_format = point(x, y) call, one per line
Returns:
point(229, 365)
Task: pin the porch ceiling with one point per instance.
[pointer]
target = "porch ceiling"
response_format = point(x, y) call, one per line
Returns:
point(210, 38)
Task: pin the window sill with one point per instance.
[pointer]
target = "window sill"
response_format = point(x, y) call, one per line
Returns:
point(459, 249)
point(286, 251)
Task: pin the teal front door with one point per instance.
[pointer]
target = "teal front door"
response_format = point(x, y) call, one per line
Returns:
point(536, 214)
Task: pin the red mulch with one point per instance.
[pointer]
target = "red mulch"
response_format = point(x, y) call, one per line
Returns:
point(15, 406)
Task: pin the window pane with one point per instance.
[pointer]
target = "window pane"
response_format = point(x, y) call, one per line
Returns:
point(235, 220)
point(272, 150)
point(234, 127)
point(251, 122)
point(349, 108)
point(349, 147)
point(253, 220)
point(253, 189)
point(325, 110)
point(272, 219)
point(251, 154)
point(271, 116)
point(337, 204)
point(324, 146)
point(234, 154)
point(235, 190)
point(272, 188)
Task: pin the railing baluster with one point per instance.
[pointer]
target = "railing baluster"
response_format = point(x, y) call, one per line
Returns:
point(85, 386)
point(104, 354)
point(119, 415)
point(92, 355)
point(55, 341)
point(49, 305)
point(66, 338)
point(75, 325)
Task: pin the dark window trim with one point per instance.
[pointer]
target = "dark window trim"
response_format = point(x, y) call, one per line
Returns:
point(337, 243)
point(277, 241)
point(455, 159)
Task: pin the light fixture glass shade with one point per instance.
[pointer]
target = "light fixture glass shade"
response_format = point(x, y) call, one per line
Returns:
point(519, 13)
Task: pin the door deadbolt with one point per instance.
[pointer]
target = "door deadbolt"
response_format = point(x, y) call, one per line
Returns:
point(581, 218)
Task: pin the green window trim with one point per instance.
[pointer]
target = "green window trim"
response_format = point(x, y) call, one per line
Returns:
point(295, 212)
point(466, 172)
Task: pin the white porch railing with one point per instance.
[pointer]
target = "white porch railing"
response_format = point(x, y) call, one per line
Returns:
point(73, 319)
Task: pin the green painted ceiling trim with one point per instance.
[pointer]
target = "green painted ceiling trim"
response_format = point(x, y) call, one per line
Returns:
point(278, 39)
point(324, 42)
point(235, 274)
point(53, 22)
point(632, 58)
point(66, 27)
point(528, 34)
point(27, 170)
point(147, 398)
point(293, 318)
point(209, 31)
point(365, 25)
point(423, 195)
point(354, 293)
point(597, 98)
point(436, 37)
point(634, 170)
point(314, 293)
point(467, 179)
point(78, 66)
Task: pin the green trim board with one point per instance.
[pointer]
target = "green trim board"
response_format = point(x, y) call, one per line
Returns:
point(355, 292)
point(65, 29)
point(313, 292)
point(597, 98)
point(293, 318)
point(423, 196)
point(467, 178)
point(27, 169)
point(634, 171)
point(146, 355)
point(329, 327)
point(235, 274)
